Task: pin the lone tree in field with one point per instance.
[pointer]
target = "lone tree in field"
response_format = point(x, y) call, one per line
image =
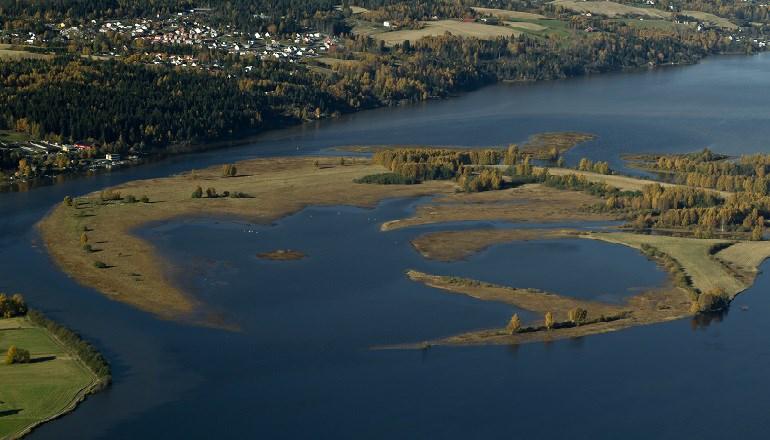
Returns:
point(578, 315)
point(83, 239)
point(16, 355)
point(198, 193)
point(549, 321)
point(68, 200)
point(514, 325)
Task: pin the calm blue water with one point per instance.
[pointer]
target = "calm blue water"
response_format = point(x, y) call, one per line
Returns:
point(301, 367)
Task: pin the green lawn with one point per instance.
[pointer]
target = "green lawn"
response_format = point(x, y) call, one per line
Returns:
point(30, 393)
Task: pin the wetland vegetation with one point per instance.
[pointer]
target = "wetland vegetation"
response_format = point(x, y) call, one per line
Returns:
point(689, 230)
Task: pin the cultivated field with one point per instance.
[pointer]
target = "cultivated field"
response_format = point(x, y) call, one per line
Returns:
point(49, 386)
point(609, 9)
point(711, 19)
point(455, 27)
point(508, 15)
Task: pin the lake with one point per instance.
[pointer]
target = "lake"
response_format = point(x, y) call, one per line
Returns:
point(301, 367)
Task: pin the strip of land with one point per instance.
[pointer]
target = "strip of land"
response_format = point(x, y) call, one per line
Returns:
point(664, 304)
point(524, 204)
point(710, 265)
point(457, 245)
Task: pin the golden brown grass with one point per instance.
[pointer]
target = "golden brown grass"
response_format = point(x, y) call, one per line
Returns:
point(745, 255)
point(528, 203)
point(706, 272)
point(136, 276)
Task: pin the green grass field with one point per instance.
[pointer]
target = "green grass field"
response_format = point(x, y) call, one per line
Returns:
point(13, 136)
point(34, 392)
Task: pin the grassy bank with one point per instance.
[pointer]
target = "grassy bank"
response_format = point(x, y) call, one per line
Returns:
point(54, 381)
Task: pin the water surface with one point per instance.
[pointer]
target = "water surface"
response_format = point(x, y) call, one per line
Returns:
point(301, 367)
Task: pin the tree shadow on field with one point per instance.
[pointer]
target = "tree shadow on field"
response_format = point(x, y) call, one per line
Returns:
point(40, 359)
point(9, 412)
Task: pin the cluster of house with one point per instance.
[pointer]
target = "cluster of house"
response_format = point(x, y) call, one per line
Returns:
point(80, 156)
point(187, 28)
point(190, 29)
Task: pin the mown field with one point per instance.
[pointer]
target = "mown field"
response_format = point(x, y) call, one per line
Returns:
point(609, 9)
point(455, 27)
point(508, 15)
point(711, 19)
point(48, 386)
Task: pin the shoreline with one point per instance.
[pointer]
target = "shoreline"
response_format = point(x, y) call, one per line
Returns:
point(181, 149)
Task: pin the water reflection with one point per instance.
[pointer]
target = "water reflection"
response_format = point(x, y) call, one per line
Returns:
point(706, 319)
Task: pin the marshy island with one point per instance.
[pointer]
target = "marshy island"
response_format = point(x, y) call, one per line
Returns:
point(700, 217)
